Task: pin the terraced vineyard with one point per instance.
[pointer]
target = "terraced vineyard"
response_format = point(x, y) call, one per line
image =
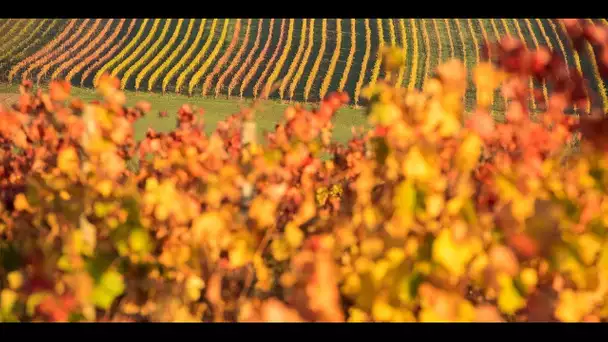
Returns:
point(286, 59)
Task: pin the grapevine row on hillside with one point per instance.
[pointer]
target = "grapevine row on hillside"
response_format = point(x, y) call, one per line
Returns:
point(270, 63)
point(182, 61)
point(305, 58)
point(45, 50)
point(350, 57)
point(58, 53)
point(167, 62)
point(247, 62)
point(224, 58)
point(279, 66)
point(199, 74)
point(197, 58)
point(99, 57)
point(74, 49)
point(88, 48)
point(122, 54)
point(142, 48)
point(258, 61)
point(334, 60)
point(158, 58)
point(235, 61)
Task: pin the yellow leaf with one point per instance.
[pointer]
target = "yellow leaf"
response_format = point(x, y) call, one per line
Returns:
point(589, 245)
point(450, 125)
point(352, 285)
point(403, 315)
point(363, 265)
point(194, 285)
point(415, 165)
point(21, 203)
point(434, 204)
point(428, 315)
point(293, 235)
point(161, 212)
point(573, 306)
point(405, 203)
point(89, 235)
point(372, 247)
point(384, 114)
point(240, 254)
point(370, 217)
point(468, 153)
point(15, 280)
point(280, 250)
point(395, 255)
point(321, 195)
point(64, 195)
point(392, 58)
point(466, 311)
point(507, 190)
point(382, 311)
point(67, 160)
point(151, 184)
point(455, 256)
point(104, 187)
point(139, 240)
point(379, 272)
point(263, 212)
point(263, 274)
point(509, 299)
point(357, 315)
point(207, 227)
point(8, 298)
point(523, 208)
point(529, 278)
point(486, 80)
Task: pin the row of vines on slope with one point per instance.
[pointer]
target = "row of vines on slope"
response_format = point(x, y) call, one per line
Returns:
point(304, 58)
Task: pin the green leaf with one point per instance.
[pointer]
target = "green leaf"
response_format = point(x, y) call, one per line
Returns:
point(381, 149)
point(9, 258)
point(409, 287)
point(98, 265)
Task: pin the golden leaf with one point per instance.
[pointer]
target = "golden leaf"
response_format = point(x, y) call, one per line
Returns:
point(21, 203)
point(468, 153)
point(509, 298)
point(15, 280)
point(454, 256)
point(293, 235)
point(280, 250)
point(372, 247)
point(194, 286)
point(416, 166)
point(207, 227)
point(240, 253)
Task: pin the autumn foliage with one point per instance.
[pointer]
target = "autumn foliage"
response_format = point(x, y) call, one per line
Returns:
point(434, 214)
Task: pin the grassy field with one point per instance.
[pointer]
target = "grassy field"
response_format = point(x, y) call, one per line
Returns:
point(268, 115)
